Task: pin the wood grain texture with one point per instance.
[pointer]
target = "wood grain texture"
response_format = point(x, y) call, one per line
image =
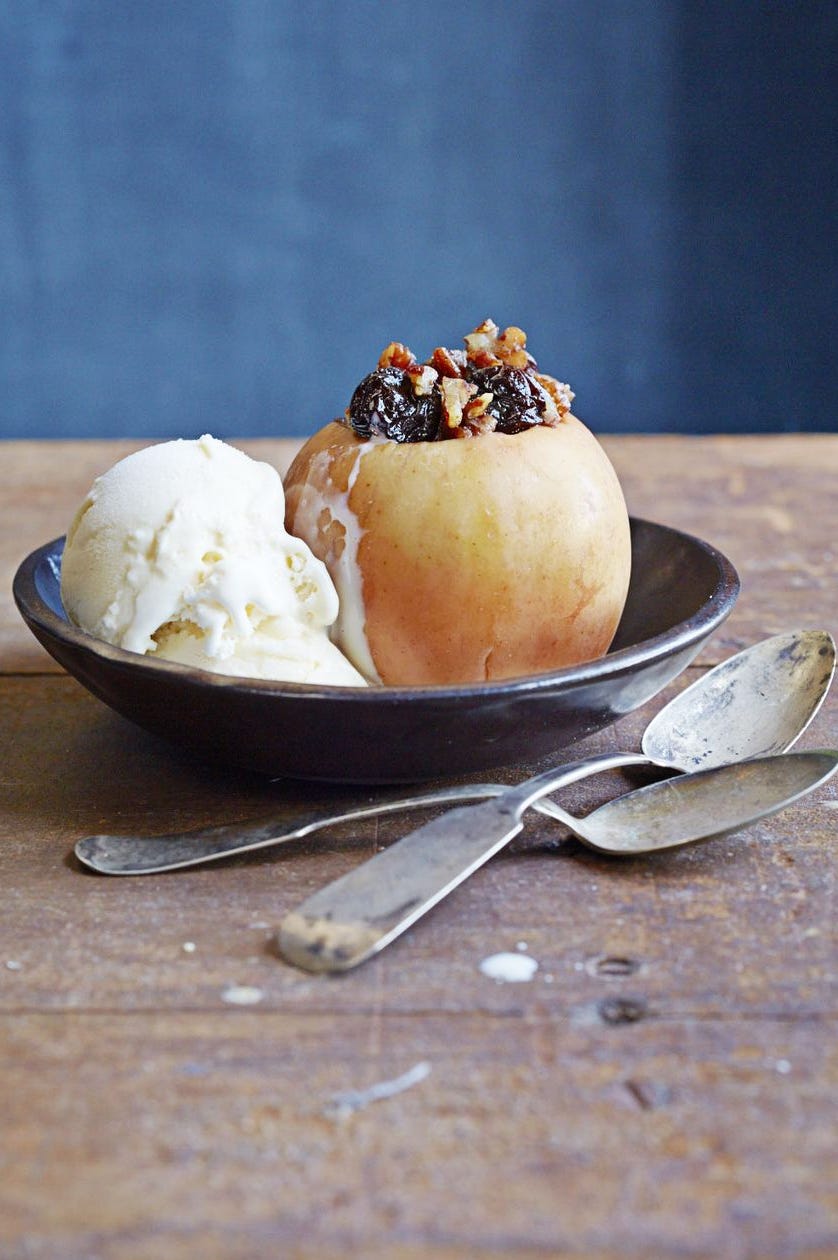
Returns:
point(664, 1087)
point(218, 1136)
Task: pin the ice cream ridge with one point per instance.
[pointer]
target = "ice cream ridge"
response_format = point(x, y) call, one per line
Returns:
point(180, 552)
point(474, 528)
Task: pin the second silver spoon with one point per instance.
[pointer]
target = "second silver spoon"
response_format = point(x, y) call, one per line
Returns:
point(357, 915)
point(754, 704)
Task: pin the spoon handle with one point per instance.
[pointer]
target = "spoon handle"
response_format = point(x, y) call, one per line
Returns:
point(357, 915)
point(150, 855)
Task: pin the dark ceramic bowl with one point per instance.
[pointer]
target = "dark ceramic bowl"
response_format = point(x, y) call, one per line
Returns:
point(681, 591)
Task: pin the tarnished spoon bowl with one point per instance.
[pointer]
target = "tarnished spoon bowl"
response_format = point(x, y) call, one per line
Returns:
point(756, 703)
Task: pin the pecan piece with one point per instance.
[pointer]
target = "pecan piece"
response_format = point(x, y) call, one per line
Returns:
point(423, 378)
point(477, 418)
point(487, 347)
point(481, 345)
point(560, 394)
point(455, 395)
point(448, 362)
point(397, 355)
point(511, 349)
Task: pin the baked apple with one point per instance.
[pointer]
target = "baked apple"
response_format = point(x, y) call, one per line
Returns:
point(474, 528)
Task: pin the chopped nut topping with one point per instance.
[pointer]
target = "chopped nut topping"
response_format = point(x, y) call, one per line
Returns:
point(483, 359)
point(396, 355)
point(511, 349)
point(482, 343)
point(477, 418)
point(515, 338)
point(562, 395)
point(492, 385)
point(449, 362)
point(479, 405)
point(455, 396)
point(423, 378)
point(487, 346)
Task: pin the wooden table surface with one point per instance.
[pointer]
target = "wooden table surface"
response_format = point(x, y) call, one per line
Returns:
point(663, 1086)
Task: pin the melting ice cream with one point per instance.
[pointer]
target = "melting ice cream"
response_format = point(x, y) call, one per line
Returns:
point(179, 551)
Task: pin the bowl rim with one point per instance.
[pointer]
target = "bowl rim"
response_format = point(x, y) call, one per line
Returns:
point(614, 664)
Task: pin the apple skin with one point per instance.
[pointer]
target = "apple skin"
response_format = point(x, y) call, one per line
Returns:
point(479, 558)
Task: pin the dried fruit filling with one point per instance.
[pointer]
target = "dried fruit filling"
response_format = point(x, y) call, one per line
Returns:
point(492, 386)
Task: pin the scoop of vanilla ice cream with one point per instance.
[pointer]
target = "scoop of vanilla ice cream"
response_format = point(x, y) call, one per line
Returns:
point(180, 551)
point(266, 653)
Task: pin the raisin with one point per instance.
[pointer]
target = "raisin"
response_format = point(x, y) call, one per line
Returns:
point(518, 401)
point(385, 405)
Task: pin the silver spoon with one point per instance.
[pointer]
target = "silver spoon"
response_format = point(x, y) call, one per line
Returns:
point(755, 703)
point(357, 915)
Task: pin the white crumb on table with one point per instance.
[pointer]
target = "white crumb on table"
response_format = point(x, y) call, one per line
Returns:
point(242, 994)
point(509, 968)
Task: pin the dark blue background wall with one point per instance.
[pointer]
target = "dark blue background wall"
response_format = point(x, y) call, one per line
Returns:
point(214, 215)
